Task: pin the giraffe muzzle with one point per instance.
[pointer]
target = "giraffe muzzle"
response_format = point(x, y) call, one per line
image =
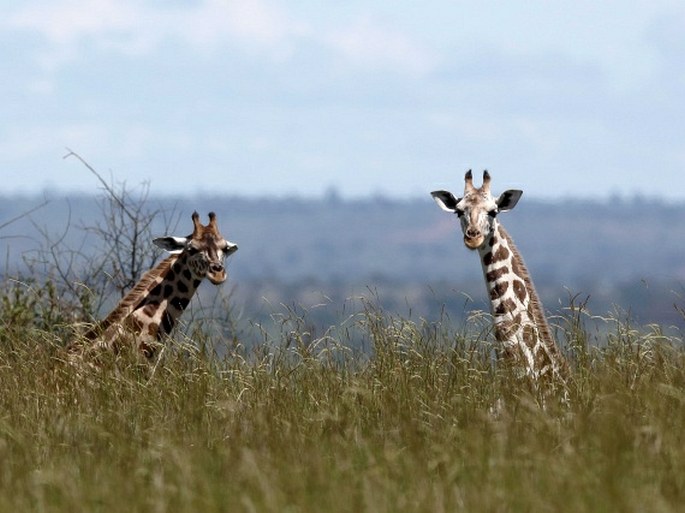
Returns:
point(473, 238)
point(216, 273)
point(473, 242)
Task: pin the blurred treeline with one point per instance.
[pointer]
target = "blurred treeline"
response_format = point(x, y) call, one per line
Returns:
point(621, 255)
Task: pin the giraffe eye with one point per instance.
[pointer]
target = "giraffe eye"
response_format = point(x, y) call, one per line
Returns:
point(459, 212)
point(492, 213)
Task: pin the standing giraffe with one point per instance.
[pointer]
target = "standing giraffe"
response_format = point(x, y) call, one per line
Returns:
point(149, 311)
point(519, 320)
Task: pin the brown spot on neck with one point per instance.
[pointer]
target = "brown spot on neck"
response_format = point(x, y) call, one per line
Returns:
point(492, 276)
point(501, 254)
point(520, 290)
point(505, 307)
point(505, 329)
point(498, 290)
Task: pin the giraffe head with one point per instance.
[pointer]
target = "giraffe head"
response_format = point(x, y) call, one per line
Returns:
point(205, 249)
point(477, 208)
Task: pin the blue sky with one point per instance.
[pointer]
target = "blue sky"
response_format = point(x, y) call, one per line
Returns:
point(268, 97)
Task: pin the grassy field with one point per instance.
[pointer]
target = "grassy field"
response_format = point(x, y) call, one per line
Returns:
point(422, 422)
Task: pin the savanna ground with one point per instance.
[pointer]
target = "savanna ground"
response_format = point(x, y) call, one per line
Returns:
point(421, 421)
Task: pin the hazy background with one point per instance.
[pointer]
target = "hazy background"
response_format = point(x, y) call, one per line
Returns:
point(317, 129)
point(404, 255)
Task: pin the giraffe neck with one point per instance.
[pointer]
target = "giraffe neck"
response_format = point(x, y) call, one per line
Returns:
point(520, 324)
point(150, 310)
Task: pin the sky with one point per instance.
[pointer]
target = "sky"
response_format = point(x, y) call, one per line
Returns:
point(395, 97)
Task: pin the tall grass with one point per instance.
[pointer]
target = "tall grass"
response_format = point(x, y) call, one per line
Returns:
point(425, 421)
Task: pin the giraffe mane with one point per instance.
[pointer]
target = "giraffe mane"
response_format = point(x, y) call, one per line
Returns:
point(135, 296)
point(522, 272)
point(535, 303)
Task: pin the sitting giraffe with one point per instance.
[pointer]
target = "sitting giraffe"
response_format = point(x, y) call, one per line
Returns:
point(519, 321)
point(149, 311)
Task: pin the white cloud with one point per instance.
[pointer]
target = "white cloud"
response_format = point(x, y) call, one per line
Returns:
point(139, 29)
point(369, 44)
point(68, 20)
point(41, 87)
point(30, 140)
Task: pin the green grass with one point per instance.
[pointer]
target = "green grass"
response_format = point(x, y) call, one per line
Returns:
point(424, 423)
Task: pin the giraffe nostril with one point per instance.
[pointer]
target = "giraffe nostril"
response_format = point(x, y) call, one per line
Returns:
point(216, 268)
point(471, 233)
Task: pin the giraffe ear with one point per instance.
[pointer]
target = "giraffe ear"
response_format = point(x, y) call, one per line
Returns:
point(508, 199)
point(171, 244)
point(445, 200)
point(230, 247)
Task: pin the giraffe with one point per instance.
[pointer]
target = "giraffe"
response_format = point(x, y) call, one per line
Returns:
point(150, 310)
point(520, 326)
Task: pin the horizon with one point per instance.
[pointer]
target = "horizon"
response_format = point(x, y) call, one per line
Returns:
point(332, 194)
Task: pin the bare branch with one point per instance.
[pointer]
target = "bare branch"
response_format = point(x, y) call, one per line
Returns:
point(24, 214)
point(114, 251)
point(110, 190)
